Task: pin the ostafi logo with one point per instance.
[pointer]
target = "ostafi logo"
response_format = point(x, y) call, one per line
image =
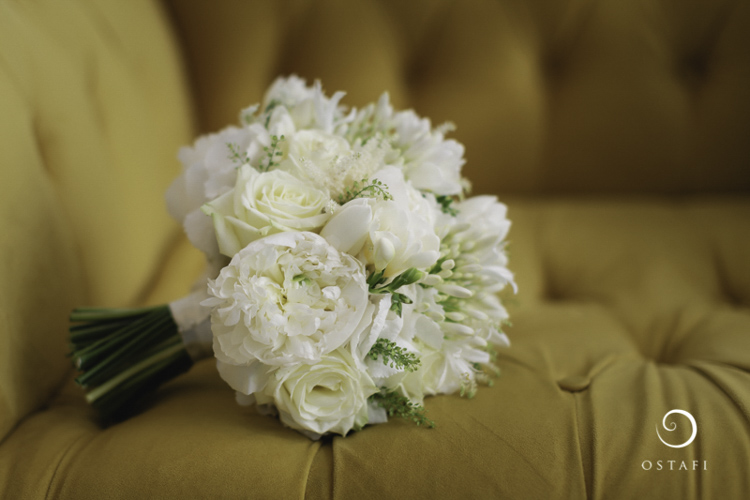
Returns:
point(676, 464)
point(673, 426)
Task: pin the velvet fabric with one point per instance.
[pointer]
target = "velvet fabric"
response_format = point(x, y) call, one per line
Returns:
point(615, 131)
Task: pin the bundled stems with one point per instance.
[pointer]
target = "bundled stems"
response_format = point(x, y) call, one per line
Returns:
point(124, 354)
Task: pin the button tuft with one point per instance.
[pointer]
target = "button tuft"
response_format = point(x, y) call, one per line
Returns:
point(574, 383)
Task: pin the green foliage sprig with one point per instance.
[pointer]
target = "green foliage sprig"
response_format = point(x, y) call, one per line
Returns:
point(377, 284)
point(446, 203)
point(272, 154)
point(269, 108)
point(401, 406)
point(237, 155)
point(366, 187)
point(393, 355)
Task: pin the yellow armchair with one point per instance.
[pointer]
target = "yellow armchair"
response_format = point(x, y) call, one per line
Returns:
point(617, 132)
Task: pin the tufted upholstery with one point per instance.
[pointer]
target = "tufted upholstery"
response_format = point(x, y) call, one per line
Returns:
point(580, 96)
point(616, 131)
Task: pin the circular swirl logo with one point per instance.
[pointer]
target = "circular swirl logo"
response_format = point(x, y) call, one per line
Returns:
point(673, 426)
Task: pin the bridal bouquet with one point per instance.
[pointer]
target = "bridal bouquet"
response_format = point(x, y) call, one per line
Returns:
point(348, 276)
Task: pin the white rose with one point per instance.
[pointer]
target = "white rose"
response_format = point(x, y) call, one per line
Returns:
point(262, 204)
point(210, 170)
point(392, 235)
point(287, 298)
point(329, 396)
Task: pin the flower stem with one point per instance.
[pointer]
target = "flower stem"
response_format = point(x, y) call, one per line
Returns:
point(137, 369)
point(124, 354)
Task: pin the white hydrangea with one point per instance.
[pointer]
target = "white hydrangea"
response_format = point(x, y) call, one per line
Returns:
point(431, 162)
point(285, 299)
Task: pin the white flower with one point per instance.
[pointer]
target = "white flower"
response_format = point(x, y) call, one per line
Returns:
point(289, 92)
point(488, 227)
point(329, 396)
point(207, 173)
point(262, 204)
point(445, 370)
point(318, 148)
point(309, 107)
point(392, 235)
point(474, 242)
point(329, 162)
point(285, 299)
point(431, 162)
point(210, 170)
point(460, 314)
point(385, 324)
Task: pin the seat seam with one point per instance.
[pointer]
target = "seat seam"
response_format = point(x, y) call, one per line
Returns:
point(586, 477)
point(308, 468)
point(64, 456)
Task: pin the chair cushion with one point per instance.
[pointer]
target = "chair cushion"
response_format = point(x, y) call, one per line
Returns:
point(629, 308)
point(93, 107)
point(548, 96)
point(626, 313)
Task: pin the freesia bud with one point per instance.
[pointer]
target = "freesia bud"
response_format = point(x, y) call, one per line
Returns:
point(384, 253)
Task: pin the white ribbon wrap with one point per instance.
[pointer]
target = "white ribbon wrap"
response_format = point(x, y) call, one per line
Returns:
point(194, 324)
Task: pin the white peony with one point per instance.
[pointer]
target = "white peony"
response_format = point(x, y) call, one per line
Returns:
point(327, 397)
point(392, 235)
point(262, 204)
point(284, 299)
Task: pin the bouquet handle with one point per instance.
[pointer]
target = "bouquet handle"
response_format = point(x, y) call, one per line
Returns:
point(125, 354)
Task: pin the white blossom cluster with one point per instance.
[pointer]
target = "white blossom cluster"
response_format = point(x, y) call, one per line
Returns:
point(346, 263)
